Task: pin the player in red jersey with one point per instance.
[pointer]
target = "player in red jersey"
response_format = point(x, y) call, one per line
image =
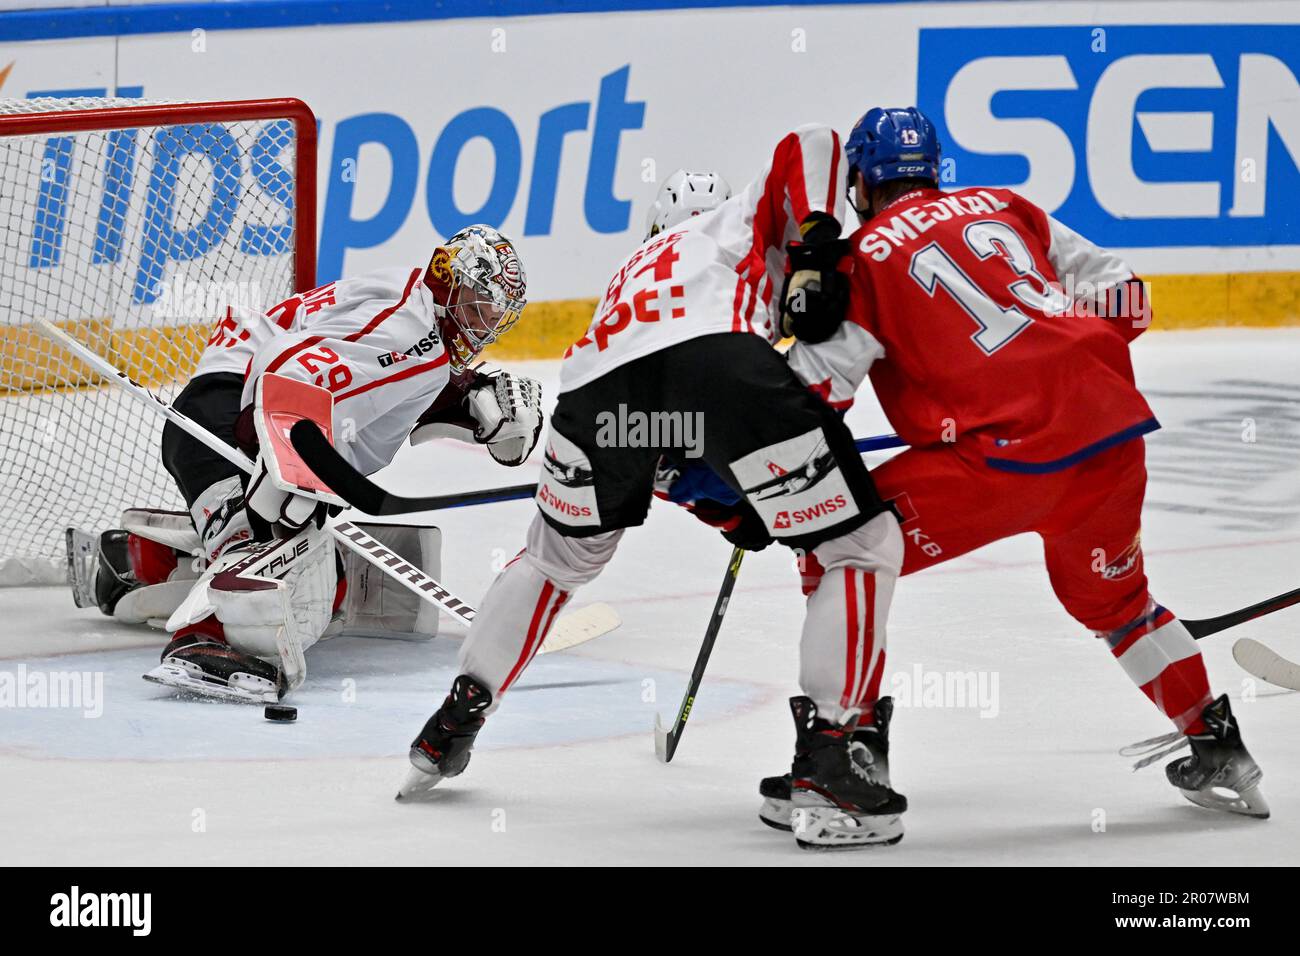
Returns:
point(996, 340)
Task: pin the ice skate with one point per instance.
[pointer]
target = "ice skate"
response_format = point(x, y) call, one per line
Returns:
point(775, 791)
point(836, 802)
point(1220, 773)
point(201, 665)
point(443, 746)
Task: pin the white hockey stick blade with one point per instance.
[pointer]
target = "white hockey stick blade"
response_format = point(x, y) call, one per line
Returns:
point(661, 739)
point(1266, 664)
point(583, 625)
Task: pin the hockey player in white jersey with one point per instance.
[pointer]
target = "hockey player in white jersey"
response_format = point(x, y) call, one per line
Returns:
point(394, 348)
point(684, 195)
point(687, 327)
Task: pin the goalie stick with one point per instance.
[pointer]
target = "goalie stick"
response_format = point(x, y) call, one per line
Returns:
point(600, 618)
point(363, 494)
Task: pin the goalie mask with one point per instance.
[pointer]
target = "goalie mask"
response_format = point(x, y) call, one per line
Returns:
point(479, 284)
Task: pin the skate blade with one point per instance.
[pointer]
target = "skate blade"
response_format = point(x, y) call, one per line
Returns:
point(830, 828)
point(181, 681)
point(1247, 803)
point(776, 813)
point(418, 785)
point(83, 561)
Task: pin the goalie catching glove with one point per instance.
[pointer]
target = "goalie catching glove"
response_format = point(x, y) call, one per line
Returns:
point(500, 410)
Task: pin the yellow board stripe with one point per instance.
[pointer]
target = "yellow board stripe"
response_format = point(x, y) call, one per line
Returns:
point(1259, 299)
point(155, 356)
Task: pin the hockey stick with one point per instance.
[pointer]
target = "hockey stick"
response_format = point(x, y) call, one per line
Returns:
point(346, 533)
point(1213, 625)
point(362, 493)
point(666, 740)
point(1267, 664)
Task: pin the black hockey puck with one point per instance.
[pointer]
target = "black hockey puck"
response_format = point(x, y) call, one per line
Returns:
point(282, 713)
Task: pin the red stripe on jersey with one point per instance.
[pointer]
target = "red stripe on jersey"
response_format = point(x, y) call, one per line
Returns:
point(852, 639)
point(564, 596)
point(375, 322)
point(369, 327)
point(525, 654)
point(832, 188)
point(538, 628)
point(789, 155)
point(415, 369)
point(735, 306)
point(868, 638)
point(749, 306)
point(292, 351)
point(1181, 691)
point(1141, 630)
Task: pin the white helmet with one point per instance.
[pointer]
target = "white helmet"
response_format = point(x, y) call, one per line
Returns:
point(683, 195)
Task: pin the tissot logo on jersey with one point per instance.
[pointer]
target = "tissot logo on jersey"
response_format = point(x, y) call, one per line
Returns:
point(425, 345)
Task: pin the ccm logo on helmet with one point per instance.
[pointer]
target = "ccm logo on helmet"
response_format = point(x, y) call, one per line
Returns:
point(788, 519)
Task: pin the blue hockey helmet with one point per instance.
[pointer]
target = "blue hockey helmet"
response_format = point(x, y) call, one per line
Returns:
point(893, 143)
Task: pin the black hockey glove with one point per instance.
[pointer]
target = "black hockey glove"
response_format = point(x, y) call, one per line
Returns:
point(739, 523)
point(815, 297)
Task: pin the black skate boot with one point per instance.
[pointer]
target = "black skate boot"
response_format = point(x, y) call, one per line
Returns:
point(1219, 762)
point(443, 747)
point(873, 754)
point(200, 662)
point(113, 577)
point(837, 804)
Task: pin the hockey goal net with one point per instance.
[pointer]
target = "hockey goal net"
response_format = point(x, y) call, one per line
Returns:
point(132, 225)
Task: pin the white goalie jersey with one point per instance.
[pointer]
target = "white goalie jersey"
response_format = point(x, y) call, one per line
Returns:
point(372, 340)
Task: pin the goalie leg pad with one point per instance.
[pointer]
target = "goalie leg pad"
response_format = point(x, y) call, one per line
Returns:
point(219, 515)
point(282, 589)
point(375, 604)
point(175, 529)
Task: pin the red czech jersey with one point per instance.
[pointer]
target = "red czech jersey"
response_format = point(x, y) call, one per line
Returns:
point(984, 315)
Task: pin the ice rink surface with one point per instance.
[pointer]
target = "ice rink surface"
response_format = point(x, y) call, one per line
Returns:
point(1024, 770)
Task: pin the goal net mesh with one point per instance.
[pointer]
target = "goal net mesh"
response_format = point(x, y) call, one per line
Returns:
point(134, 239)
